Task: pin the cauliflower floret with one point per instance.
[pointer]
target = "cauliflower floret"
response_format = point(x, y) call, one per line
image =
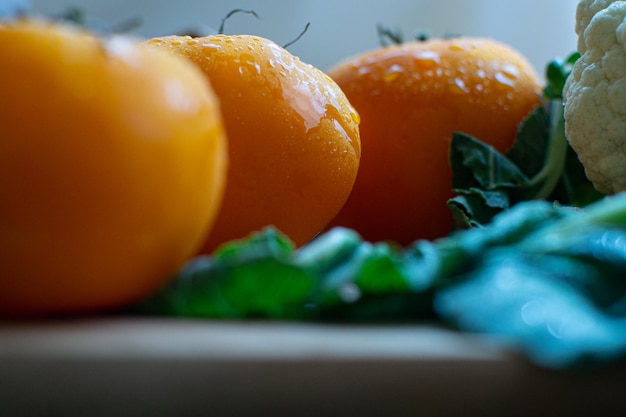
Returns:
point(585, 10)
point(595, 94)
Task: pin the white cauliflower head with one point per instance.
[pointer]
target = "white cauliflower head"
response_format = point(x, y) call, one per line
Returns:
point(595, 94)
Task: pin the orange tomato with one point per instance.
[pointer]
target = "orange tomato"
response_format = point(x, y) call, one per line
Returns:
point(411, 98)
point(294, 144)
point(112, 166)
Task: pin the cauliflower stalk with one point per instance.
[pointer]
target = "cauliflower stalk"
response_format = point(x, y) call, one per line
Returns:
point(595, 94)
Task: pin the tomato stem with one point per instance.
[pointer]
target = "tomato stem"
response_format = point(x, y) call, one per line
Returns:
point(306, 28)
point(231, 13)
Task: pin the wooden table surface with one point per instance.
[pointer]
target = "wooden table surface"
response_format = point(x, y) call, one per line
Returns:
point(132, 366)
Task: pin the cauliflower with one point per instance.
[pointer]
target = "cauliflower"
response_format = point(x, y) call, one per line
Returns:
point(595, 94)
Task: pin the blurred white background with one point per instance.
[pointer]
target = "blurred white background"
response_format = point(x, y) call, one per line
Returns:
point(540, 29)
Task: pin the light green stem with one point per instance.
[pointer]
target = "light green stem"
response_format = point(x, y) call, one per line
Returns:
point(555, 158)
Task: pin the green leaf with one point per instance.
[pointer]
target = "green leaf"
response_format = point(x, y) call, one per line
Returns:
point(474, 207)
point(386, 285)
point(483, 180)
point(550, 281)
point(528, 301)
point(252, 277)
point(329, 250)
point(507, 228)
point(533, 135)
point(269, 242)
point(574, 187)
point(382, 272)
point(475, 163)
point(557, 72)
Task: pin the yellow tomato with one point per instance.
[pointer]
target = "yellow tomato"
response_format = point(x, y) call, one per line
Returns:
point(412, 98)
point(112, 167)
point(294, 146)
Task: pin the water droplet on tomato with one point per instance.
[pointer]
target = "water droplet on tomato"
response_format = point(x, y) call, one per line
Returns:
point(457, 86)
point(392, 73)
point(427, 59)
point(211, 46)
point(504, 80)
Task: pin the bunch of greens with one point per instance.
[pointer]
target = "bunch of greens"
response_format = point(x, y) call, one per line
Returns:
point(539, 264)
point(540, 166)
point(546, 278)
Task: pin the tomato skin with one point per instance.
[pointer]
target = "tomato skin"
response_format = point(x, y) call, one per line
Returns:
point(294, 142)
point(411, 99)
point(112, 166)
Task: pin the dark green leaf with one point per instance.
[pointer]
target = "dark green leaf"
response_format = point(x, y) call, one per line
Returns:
point(529, 150)
point(527, 301)
point(574, 188)
point(556, 292)
point(507, 228)
point(476, 164)
point(474, 207)
point(483, 180)
point(557, 72)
